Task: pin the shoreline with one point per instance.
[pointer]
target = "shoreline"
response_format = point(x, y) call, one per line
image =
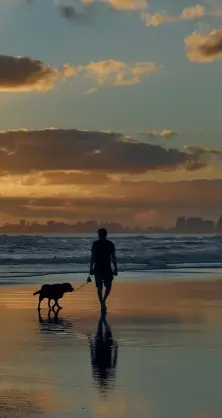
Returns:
point(182, 275)
point(172, 301)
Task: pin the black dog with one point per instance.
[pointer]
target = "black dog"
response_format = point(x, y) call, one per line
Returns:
point(53, 292)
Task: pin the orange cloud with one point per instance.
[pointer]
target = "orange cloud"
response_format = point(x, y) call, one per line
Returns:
point(165, 133)
point(204, 47)
point(128, 4)
point(157, 19)
point(70, 178)
point(117, 73)
point(191, 13)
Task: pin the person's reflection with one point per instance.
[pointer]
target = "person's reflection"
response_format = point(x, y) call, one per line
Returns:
point(53, 322)
point(104, 352)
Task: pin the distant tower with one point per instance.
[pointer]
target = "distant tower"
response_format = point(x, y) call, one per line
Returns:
point(219, 225)
point(181, 224)
point(22, 223)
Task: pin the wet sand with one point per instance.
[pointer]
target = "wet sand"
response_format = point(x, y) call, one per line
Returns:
point(158, 355)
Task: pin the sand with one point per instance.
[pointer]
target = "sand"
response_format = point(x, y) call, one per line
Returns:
point(159, 355)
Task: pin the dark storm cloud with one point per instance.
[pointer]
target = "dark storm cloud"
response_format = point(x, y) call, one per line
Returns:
point(25, 74)
point(56, 149)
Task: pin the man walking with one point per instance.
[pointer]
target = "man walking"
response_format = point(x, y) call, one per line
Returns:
point(103, 255)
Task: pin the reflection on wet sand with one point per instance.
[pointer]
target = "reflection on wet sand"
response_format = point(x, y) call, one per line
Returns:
point(20, 403)
point(168, 365)
point(53, 322)
point(104, 353)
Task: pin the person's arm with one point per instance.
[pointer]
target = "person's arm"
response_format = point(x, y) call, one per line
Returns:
point(114, 260)
point(92, 261)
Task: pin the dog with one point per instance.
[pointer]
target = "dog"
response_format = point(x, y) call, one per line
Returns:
point(53, 292)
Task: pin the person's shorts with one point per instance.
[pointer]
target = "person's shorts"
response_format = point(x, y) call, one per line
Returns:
point(103, 278)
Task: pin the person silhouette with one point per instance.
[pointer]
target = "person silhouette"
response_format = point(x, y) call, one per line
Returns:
point(104, 354)
point(103, 254)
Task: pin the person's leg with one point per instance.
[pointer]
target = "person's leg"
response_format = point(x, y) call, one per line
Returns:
point(106, 294)
point(100, 294)
point(99, 285)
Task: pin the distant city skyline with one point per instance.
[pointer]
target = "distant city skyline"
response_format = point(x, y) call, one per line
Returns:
point(182, 226)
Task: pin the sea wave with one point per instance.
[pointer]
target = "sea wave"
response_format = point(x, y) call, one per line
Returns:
point(148, 261)
point(29, 256)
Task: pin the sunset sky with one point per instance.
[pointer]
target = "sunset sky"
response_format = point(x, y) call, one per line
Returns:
point(110, 110)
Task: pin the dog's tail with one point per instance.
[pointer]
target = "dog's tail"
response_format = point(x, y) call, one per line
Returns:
point(37, 293)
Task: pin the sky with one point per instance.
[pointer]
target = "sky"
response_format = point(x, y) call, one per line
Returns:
point(110, 110)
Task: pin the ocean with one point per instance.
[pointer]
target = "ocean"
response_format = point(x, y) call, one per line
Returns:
point(27, 258)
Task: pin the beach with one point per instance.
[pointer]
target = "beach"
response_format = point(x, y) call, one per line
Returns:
point(157, 355)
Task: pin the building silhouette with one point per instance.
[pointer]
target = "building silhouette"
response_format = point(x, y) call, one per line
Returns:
point(192, 225)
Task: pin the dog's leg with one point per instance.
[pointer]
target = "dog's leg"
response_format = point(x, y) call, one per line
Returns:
point(49, 300)
point(53, 307)
point(40, 300)
point(40, 318)
point(57, 304)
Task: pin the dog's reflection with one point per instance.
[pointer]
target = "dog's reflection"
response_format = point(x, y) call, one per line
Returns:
point(104, 353)
point(53, 323)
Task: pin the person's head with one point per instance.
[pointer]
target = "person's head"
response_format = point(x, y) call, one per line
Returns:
point(102, 233)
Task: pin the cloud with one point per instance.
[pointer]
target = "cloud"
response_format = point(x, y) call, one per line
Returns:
point(81, 12)
point(165, 133)
point(192, 13)
point(73, 11)
point(70, 178)
point(166, 200)
point(67, 150)
point(68, 11)
point(22, 74)
point(156, 19)
point(203, 153)
point(128, 4)
point(204, 47)
point(198, 149)
point(117, 73)
point(168, 133)
point(189, 13)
